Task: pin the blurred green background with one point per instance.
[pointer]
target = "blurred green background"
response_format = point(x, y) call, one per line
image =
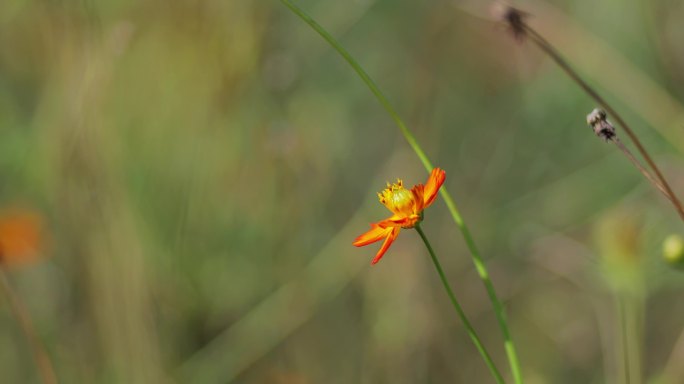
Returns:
point(203, 167)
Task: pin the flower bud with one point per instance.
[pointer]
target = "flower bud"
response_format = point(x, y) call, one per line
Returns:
point(673, 250)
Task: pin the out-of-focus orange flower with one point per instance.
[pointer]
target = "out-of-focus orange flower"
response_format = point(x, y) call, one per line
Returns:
point(407, 206)
point(20, 237)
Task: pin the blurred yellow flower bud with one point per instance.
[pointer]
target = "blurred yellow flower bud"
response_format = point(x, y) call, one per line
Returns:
point(619, 240)
point(673, 250)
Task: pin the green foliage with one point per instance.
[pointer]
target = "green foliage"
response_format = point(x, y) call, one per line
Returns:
point(204, 166)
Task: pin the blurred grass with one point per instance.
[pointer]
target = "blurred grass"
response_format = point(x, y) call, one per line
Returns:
point(195, 160)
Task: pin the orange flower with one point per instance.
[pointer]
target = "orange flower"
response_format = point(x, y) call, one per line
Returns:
point(407, 207)
point(20, 237)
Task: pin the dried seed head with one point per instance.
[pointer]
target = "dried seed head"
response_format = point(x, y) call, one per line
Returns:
point(602, 127)
point(595, 116)
point(513, 17)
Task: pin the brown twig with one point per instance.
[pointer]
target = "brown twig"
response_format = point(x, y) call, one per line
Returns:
point(22, 316)
point(641, 168)
point(520, 29)
point(597, 119)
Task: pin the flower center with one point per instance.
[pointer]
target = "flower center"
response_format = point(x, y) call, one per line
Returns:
point(397, 198)
point(401, 199)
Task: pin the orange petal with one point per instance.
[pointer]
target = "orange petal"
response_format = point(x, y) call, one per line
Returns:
point(385, 246)
point(418, 191)
point(376, 233)
point(435, 181)
point(393, 221)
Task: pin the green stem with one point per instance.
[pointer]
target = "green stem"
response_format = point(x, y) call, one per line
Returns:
point(469, 328)
point(623, 333)
point(629, 307)
point(475, 254)
point(21, 314)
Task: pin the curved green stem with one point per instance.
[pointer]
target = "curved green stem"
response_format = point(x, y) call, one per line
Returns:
point(469, 328)
point(475, 254)
point(481, 268)
point(366, 79)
